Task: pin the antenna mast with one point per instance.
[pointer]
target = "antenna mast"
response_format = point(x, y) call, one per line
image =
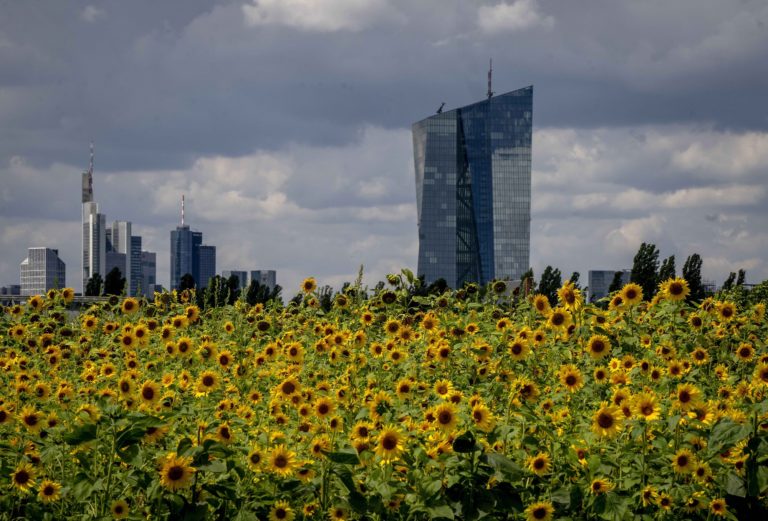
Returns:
point(90, 167)
point(490, 74)
point(182, 210)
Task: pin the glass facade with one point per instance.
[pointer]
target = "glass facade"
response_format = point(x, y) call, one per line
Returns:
point(206, 256)
point(600, 280)
point(184, 254)
point(473, 190)
point(42, 270)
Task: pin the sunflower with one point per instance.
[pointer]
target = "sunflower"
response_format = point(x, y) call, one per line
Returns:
point(600, 486)
point(255, 458)
point(5, 415)
point(700, 356)
point(683, 462)
point(35, 302)
point(645, 406)
point(224, 359)
point(308, 285)
point(390, 443)
point(119, 509)
point(607, 421)
point(760, 376)
point(176, 472)
point(445, 416)
point(281, 511)
point(323, 407)
point(50, 491)
point(570, 296)
point(718, 507)
point(282, 461)
point(598, 346)
point(559, 318)
point(541, 511)
point(443, 388)
point(687, 396)
point(89, 323)
point(127, 340)
point(726, 310)
point(23, 477)
point(675, 289)
point(600, 374)
point(483, 418)
point(31, 419)
point(338, 513)
point(632, 294)
point(518, 349)
point(541, 304)
point(570, 377)
point(539, 464)
point(68, 294)
point(745, 352)
point(129, 306)
point(150, 392)
point(289, 387)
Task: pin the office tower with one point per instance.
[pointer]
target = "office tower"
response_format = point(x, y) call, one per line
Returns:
point(137, 283)
point(473, 190)
point(190, 256)
point(94, 230)
point(149, 272)
point(242, 277)
point(206, 265)
point(42, 270)
point(118, 240)
point(266, 278)
point(600, 280)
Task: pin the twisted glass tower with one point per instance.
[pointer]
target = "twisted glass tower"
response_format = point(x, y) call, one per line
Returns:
point(473, 190)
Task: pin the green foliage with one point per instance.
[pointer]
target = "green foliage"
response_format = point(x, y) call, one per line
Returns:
point(667, 270)
point(550, 282)
point(94, 286)
point(616, 283)
point(645, 269)
point(692, 274)
point(114, 282)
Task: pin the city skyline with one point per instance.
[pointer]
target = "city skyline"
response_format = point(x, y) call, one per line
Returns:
point(289, 127)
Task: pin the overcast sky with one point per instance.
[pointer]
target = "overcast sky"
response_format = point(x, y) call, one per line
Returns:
point(287, 125)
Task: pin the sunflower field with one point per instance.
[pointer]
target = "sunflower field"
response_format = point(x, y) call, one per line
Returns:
point(477, 403)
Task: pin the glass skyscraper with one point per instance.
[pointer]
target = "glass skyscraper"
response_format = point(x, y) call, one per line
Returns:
point(473, 190)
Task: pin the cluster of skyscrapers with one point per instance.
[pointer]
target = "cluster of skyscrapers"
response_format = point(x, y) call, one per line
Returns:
point(114, 246)
point(189, 256)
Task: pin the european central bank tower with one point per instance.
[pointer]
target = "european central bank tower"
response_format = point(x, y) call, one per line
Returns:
point(473, 190)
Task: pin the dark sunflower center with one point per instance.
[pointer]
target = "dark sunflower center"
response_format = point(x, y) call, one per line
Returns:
point(539, 513)
point(539, 464)
point(389, 442)
point(445, 417)
point(288, 388)
point(647, 410)
point(175, 473)
point(281, 461)
point(22, 477)
point(570, 380)
point(148, 393)
point(605, 420)
point(684, 396)
point(676, 288)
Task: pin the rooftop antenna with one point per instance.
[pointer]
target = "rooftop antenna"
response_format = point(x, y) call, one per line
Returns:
point(90, 166)
point(440, 110)
point(490, 74)
point(182, 210)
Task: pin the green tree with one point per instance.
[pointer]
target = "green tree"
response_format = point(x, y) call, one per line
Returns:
point(233, 282)
point(728, 284)
point(527, 281)
point(261, 294)
point(645, 268)
point(549, 284)
point(741, 278)
point(187, 281)
point(114, 282)
point(94, 286)
point(692, 274)
point(575, 276)
point(617, 283)
point(667, 270)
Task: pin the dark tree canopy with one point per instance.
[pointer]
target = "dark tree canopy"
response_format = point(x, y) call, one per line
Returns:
point(114, 282)
point(728, 284)
point(692, 274)
point(667, 270)
point(187, 282)
point(741, 278)
point(550, 282)
point(645, 268)
point(616, 283)
point(94, 286)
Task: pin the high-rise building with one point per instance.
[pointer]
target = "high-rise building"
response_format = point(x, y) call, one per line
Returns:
point(242, 277)
point(94, 230)
point(136, 271)
point(148, 272)
point(190, 256)
point(473, 190)
point(599, 281)
point(206, 265)
point(42, 270)
point(266, 278)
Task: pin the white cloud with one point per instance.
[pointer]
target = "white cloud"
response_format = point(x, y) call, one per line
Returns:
point(715, 153)
point(706, 197)
point(92, 13)
point(318, 15)
point(518, 16)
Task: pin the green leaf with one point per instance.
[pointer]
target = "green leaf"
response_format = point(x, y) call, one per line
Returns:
point(734, 485)
point(81, 434)
point(433, 487)
point(441, 512)
point(216, 465)
point(465, 443)
point(508, 468)
point(346, 456)
point(184, 446)
point(562, 495)
point(726, 433)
